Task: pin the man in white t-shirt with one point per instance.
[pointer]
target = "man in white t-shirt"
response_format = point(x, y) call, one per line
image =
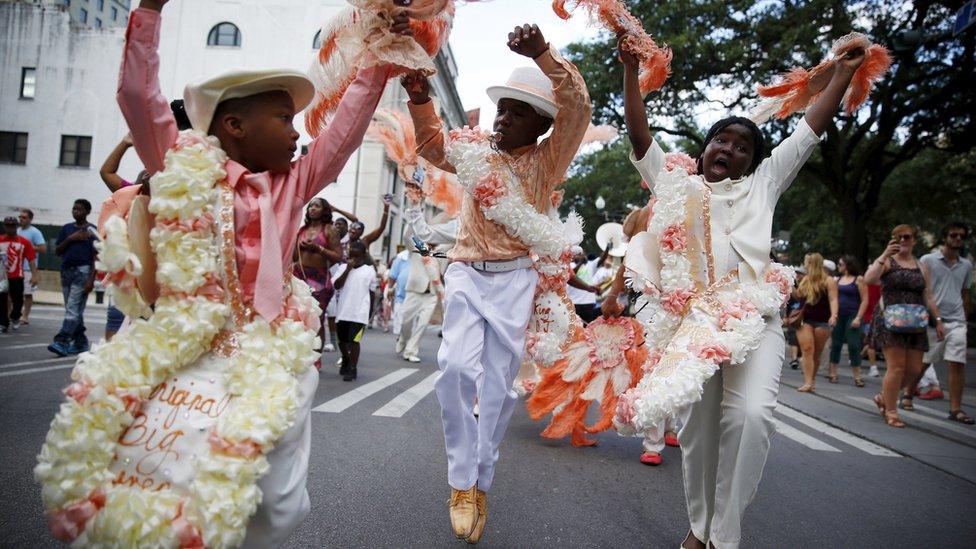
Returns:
point(584, 299)
point(357, 282)
point(31, 278)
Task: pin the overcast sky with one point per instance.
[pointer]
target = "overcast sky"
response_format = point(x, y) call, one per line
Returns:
point(478, 41)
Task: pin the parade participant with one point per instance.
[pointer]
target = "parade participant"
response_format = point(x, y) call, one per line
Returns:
point(423, 287)
point(318, 249)
point(241, 328)
point(714, 298)
point(490, 285)
point(356, 280)
point(32, 277)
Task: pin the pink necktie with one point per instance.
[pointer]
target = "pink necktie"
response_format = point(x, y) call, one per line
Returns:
point(268, 288)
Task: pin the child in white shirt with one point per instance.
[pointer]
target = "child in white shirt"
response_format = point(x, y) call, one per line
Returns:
point(357, 280)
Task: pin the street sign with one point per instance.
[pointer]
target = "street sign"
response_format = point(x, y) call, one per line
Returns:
point(965, 17)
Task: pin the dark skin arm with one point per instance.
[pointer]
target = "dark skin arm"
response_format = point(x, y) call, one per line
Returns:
point(823, 110)
point(350, 216)
point(332, 252)
point(376, 233)
point(635, 114)
point(78, 236)
point(579, 284)
point(351, 263)
point(110, 168)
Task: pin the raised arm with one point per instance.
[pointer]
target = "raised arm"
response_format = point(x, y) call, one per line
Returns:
point(374, 235)
point(413, 214)
point(573, 116)
point(328, 153)
point(428, 126)
point(823, 110)
point(146, 111)
point(110, 167)
point(634, 113)
point(350, 216)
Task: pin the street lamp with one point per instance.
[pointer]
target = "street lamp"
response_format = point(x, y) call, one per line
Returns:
point(600, 203)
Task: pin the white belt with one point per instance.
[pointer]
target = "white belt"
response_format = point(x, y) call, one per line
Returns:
point(502, 266)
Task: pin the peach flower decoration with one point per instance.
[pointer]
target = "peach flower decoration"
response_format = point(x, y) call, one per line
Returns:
point(674, 302)
point(673, 238)
point(489, 190)
point(713, 352)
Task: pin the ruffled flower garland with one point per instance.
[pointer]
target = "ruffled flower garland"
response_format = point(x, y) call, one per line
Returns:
point(110, 383)
point(486, 176)
point(690, 333)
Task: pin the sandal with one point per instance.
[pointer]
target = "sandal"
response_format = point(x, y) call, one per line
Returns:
point(806, 389)
point(892, 420)
point(906, 403)
point(961, 417)
point(859, 383)
point(832, 379)
point(879, 402)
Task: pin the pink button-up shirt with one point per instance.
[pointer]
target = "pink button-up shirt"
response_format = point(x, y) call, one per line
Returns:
point(154, 132)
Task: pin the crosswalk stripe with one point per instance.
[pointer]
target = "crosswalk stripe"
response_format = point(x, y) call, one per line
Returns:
point(344, 401)
point(409, 398)
point(37, 362)
point(799, 436)
point(33, 370)
point(915, 416)
point(847, 438)
point(26, 346)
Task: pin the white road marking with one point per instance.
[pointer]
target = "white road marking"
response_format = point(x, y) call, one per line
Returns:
point(342, 402)
point(943, 422)
point(409, 398)
point(33, 370)
point(37, 362)
point(26, 346)
point(847, 438)
point(88, 319)
point(797, 435)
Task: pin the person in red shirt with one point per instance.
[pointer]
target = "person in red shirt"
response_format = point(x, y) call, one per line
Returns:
point(13, 250)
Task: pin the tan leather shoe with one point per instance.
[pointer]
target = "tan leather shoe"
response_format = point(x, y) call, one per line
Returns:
point(463, 510)
point(479, 525)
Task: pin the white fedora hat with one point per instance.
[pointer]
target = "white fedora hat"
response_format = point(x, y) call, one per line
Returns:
point(201, 98)
point(530, 85)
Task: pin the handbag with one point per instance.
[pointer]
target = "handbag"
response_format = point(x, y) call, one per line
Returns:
point(905, 318)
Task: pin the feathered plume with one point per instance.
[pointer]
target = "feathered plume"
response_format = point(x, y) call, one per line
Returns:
point(359, 37)
point(599, 134)
point(799, 87)
point(655, 61)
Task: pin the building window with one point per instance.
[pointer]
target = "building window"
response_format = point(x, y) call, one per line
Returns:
point(75, 151)
point(13, 147)
point(98, 23)
point(115, 13)
point(224, 34)
point(83, 15)
point(28, 82)
point(317, 41)
point(101, 5)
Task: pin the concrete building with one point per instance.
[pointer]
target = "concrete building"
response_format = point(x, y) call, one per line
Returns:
point(59, 118)
point(93, 13)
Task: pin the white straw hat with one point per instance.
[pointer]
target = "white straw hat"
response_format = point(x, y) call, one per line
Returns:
point(529, 85)
point(201, 98)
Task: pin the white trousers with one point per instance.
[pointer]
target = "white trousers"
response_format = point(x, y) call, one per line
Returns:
point(417, 309)
point(397, 316)
point(725, 440)
point(654, 438)
point(485, 318)
point(284, 499)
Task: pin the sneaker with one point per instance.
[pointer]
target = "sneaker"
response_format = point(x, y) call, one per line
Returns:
point(76, 349)
point(411, 358)
point(874, 371)
point(794, 364)
point(58, 348)
point(339, 362)
point(932, 394)
point(651, 458)
point(15, 325)
point(328, 348)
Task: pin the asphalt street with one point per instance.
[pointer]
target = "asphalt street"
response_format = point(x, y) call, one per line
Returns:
point(836, 475)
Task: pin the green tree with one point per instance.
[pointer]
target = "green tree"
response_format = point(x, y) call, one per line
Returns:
point(724, 48)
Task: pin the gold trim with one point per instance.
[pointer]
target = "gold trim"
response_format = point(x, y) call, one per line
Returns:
point(707, 221)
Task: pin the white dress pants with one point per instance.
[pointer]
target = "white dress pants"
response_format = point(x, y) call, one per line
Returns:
point(725, 440)
point(654, 438)
point(397, 316)
point(284, 499)
point(485, 318)
point(417, 309)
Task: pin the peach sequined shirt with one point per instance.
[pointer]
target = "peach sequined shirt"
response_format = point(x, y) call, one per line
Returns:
point(540, 167)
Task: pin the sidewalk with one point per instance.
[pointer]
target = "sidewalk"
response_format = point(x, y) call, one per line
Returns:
point(47, 297)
